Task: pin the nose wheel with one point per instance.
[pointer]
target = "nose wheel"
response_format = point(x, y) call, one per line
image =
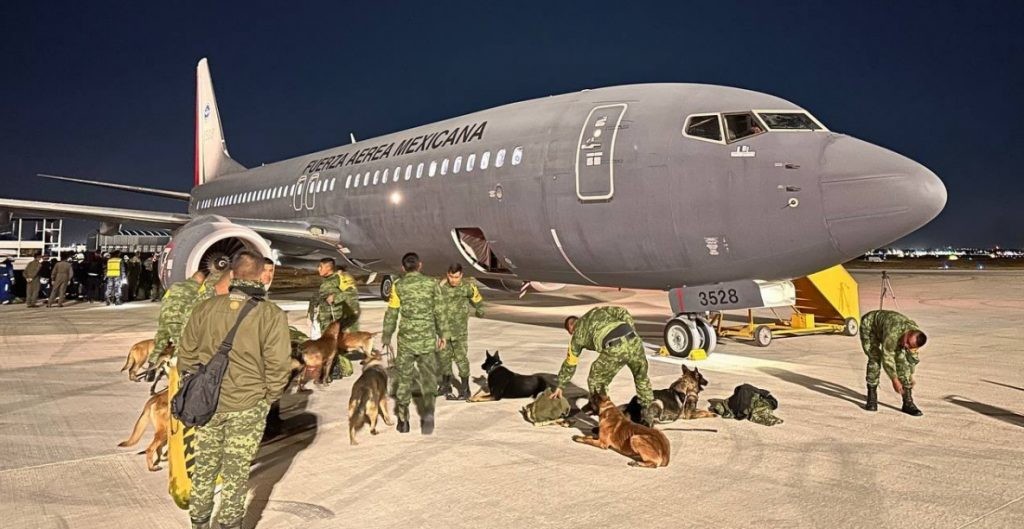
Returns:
point(687, 332)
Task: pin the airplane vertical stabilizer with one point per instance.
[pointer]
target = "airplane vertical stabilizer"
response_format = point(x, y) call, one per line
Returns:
point(212, 158)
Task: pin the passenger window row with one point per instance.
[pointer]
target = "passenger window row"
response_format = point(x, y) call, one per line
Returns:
point(369, 178)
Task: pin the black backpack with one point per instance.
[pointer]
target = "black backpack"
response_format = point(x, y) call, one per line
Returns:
point(196, 400)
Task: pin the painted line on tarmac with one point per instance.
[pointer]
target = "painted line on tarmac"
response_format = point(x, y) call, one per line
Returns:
point(993, 511)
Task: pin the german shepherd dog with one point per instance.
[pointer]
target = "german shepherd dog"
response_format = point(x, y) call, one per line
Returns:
point(679, 401)
point(158, 411)
point(369, 399)
point(504, 384)
point(647, 447)
point(137, 356)
point(318, 356)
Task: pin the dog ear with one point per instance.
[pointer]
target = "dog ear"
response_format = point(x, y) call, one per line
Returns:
point(685, 369)
point(488, 353)
point(496, 357)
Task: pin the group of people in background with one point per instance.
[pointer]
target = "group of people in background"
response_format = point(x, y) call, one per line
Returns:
point(113, 278)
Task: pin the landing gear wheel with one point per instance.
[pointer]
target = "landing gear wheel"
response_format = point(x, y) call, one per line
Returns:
point(762, 336)
point(680, 336)
point(708, 336)
point(850, 327)
point(385, 287)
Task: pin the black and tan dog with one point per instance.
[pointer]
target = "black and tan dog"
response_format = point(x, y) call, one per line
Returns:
point(647, 447)
point(502, 383)
point(156, 411)
point(679, 401)
point(369, 399)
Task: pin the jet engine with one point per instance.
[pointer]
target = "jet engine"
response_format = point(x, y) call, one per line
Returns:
point(202, 242)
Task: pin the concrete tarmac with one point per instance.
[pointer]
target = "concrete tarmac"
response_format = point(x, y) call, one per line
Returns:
point(64, 407)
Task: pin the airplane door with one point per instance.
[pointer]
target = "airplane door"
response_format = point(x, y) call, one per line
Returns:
point(311, 188)
point(595, 153)
point(297, 196)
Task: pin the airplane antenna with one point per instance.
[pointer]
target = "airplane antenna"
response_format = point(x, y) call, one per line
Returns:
point(352, 136)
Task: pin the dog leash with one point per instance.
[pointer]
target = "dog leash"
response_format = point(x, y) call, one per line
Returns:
point(710, 430)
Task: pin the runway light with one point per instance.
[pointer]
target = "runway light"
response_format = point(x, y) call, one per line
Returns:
point(396, 198)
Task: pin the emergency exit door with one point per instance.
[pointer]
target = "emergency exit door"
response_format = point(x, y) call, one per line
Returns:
point(595, 153)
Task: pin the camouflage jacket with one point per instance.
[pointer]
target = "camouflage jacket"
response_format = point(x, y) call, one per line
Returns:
point(344, 304)
point(416, 298)
point(589, 333)
point(455, 302)
point(175, 310)
point(209, 287)
point(260, 354)
point(880, 333)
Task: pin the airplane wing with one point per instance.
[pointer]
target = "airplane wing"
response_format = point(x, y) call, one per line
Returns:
point(164, 193)
point(156, 219)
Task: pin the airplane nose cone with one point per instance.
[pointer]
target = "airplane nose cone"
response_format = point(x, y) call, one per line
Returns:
point(873, 196)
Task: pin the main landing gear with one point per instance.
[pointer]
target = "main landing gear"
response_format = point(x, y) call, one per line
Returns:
point(686, 332)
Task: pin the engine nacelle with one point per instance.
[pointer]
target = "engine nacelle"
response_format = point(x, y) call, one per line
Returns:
point(198, 244)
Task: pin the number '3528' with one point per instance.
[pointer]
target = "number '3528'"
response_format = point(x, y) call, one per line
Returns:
point(718, 297)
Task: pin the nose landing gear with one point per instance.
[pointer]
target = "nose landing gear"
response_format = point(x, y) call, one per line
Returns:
point(686, 332)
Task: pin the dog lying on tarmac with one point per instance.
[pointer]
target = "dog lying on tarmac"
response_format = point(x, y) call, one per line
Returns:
point(502, 383)
point(318, 356)
point(158, 412)
point(647, 447)
point(137, 356)
point(369, 400)
point(679, 401)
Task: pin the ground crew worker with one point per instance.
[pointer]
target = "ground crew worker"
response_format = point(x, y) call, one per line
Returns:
point(255, 377)
point(31, 275)
point(457, 294)
point(611, 332)
point(175, 310)
point(416, 298)
point(891, 342)
point(93, 278)
point(6, 282)
point(60, 278)
point(133, 272)
point(115, 277)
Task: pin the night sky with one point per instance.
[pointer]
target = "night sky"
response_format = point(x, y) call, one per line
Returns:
point(108, 93)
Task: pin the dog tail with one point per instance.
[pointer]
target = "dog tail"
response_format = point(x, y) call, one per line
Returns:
point(128, 360)
point(140, 428)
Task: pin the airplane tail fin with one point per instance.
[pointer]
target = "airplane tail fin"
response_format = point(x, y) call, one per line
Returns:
point(212, 158)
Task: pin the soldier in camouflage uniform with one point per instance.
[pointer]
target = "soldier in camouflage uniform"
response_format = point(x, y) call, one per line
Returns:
point(336, 299)
point(891, 342)
point(255, 377)
point(175, 309)
point(416, 298)
point(612, 333)
point(457, 294)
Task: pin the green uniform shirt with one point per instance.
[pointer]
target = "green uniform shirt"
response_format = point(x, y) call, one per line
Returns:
point(416, 298)
point(345, 303)
point(880, 333)
point(589, 333)
point(455, 303)
point(175, 310)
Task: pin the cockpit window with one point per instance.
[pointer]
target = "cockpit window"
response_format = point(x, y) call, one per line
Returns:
point(705, 126)
point(741, 125)
point(789, 121)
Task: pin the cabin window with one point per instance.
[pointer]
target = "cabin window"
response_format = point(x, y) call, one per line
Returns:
point(433, 169)
point(376, 175)
point(457, 165)
point(348, 181)
point(408, 171)
point(355, 183)
point(332, 183)
point(398, 173)
point(485, 158)
point(741, 125)
point(366, 179)
point(788, 121)
point(292, 191)
point(517, 155)
point(470, 161)
point(384, 179)
point(419, 170)
point(444, 166)
point(499, 158)
point(705, 127)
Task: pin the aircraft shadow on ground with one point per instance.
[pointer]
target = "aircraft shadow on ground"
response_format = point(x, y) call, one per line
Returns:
point(296, 431)
point(830, 389)
point(988, 410)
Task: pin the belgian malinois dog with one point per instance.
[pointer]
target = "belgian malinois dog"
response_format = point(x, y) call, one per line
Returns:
point(679, 401)
point(369, 398)
point(158, 411)
point(137, 356)
point(318, 356)
point(356, 341)
point(647, 447)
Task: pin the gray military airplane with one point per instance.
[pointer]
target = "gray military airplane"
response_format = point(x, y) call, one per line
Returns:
point(686, 188)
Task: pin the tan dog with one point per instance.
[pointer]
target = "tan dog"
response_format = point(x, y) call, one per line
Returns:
point(137, 356)
point(647, 447)
point(369, 398)
point(158, 411)
point(318, 356)
point(356, 341)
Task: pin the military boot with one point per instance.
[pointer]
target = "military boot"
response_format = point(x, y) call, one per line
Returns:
point(464, 389)
point(402, 413)
point(237, 524)
point(649, 415)
point(908, 404)
point(445, 387)
point(203, 524)
point(427, 423)
point(872, 403)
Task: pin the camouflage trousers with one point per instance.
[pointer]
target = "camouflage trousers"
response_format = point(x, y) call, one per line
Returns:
point(113, 293)
point(455, 350)
point(627, 353)
point(760, 411)
point(225, 446)
point(418, 368)
point(167, 333)
point(874, 369)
